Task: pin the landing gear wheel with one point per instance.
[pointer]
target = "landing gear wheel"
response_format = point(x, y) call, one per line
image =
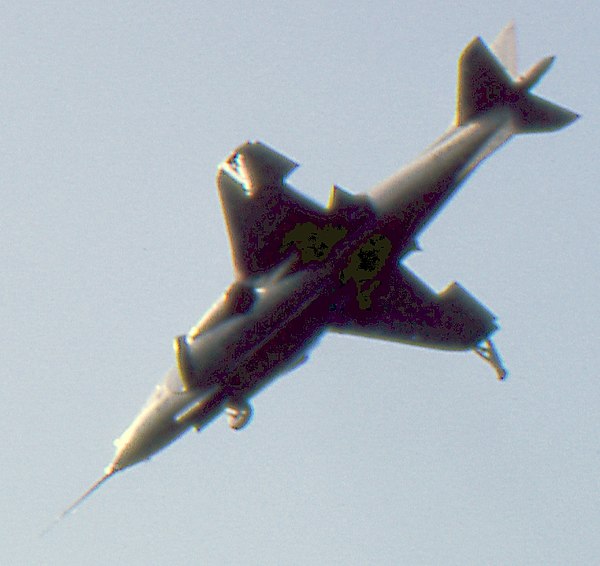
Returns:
point(238, 414)
point(488, 352)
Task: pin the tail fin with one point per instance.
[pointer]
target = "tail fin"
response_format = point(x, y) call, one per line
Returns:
point(505, 48)
point(487, 81)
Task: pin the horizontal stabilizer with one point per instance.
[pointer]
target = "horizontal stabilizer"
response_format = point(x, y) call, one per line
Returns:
point(533, 76)
point(485, 84)
point(539, 115)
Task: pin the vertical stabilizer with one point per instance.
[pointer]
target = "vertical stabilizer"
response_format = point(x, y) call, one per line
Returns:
point(505, 48)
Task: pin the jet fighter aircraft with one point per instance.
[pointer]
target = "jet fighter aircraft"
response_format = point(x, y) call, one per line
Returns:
point(302, 270)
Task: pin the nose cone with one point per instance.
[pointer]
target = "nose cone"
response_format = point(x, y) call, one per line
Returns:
point(148, 434)
point(155, 427)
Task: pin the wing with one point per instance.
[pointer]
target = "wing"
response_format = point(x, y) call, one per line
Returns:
point(259, 207)
point(269, 222)
point(398, 306)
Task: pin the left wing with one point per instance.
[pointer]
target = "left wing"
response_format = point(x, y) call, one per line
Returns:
point(396, 305)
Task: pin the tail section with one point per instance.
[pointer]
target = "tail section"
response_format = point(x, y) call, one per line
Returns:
point(487, 82)
point(505, 49)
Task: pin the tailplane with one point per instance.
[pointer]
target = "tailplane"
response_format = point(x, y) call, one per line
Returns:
point(487, 80)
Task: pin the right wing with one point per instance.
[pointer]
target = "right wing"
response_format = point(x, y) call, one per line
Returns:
point(269, 222)
point(260, 208)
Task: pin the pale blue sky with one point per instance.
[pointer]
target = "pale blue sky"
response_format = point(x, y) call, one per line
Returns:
point(114, 117)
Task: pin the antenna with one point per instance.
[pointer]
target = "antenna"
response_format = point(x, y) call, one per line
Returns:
point(73, 507)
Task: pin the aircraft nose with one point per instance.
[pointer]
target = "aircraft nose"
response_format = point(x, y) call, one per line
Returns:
point(132, 446)
point(129, 451)
point(154, 427)
point(149, 433)
point(169, 412)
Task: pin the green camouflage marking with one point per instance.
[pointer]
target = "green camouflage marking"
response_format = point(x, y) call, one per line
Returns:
point(312, 242)
point(365, 263)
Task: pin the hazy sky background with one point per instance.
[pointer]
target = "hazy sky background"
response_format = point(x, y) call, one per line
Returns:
point(114, 117)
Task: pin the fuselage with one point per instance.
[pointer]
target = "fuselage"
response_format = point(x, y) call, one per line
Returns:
point(233, 358)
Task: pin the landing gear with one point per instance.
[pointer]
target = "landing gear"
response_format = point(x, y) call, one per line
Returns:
point(486, 351)
point(238, 413)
